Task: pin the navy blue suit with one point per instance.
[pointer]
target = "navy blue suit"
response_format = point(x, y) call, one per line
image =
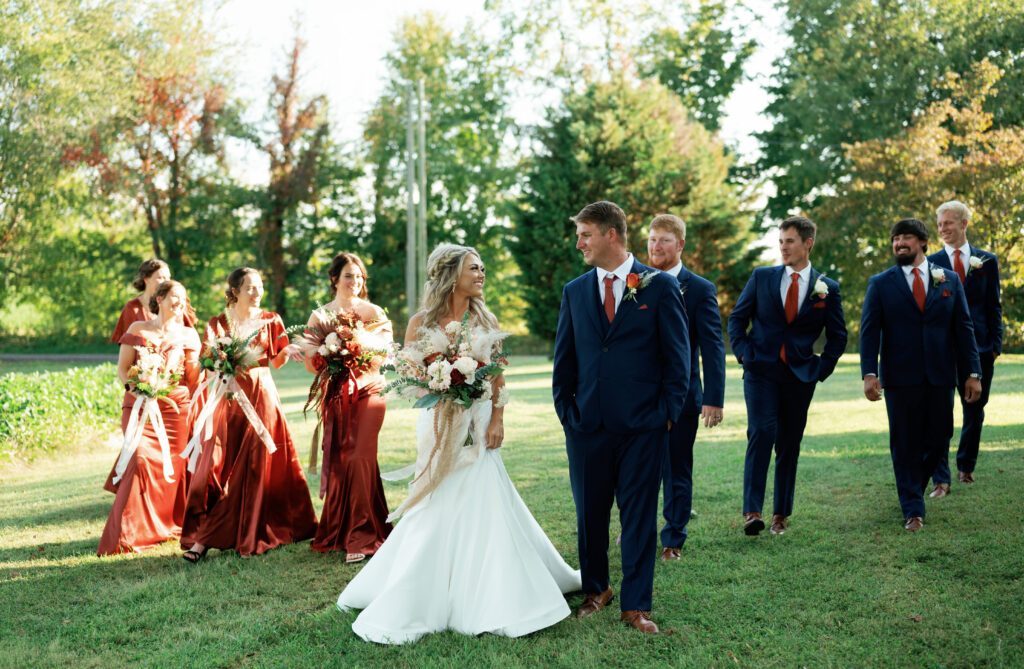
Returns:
point(616, 385)
point(982, 291)
point(779, 393)
point(920, 354)
point(705, 326)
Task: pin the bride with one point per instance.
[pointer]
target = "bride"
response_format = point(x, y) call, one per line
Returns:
point(467, 555)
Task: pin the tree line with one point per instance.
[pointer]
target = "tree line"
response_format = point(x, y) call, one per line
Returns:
point(121, 131)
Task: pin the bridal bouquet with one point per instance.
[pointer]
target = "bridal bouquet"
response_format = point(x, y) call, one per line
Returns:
point(456, 364)
point(230, 355)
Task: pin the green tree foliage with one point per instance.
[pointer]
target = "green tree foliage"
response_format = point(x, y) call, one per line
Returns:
point(469, 168)
point(634, 144)
point(702, 63)
point(951, 150)
point(858, 70)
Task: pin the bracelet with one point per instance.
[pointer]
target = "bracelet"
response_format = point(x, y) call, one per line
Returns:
point(501, 399)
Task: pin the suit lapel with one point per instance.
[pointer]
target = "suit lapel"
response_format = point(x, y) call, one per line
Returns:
point(942, 259)
point(592, 302)
point(626, 307)
point(806, 304)
point(975, 253)
point(776, 289)
point(933, 290)
point(901, 279)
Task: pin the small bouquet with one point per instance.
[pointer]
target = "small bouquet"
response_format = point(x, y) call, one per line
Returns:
point(230, 355)
point(455, 364)
point(339, 346)
point(152, 375)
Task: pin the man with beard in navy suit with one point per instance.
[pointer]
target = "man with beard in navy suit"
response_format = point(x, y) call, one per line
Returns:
point(665, 242)
point(916, 317)
point(786, 308)
point(621, 368)
point(979, 273)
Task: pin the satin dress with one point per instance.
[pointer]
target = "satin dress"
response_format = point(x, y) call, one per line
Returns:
point(242, 496)
point(147, 509)
point(135, 310)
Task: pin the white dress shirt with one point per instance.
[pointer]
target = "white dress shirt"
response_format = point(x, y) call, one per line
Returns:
point(674, 271)
point(804, 283)
point(619, 287)
point(965, 256)
point(908, 271)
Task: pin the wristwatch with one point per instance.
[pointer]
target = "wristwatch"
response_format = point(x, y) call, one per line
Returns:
point(975, 375)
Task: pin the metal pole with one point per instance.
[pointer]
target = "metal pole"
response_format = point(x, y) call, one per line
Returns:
point(411, 285)
point(421, 238)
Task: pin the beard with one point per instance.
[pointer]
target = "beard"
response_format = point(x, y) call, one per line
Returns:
point(905, 260)
point(664, 265)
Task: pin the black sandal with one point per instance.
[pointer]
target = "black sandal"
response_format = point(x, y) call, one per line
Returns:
point(198, 555)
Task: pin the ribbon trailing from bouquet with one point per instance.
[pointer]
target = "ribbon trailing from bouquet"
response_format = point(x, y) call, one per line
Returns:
point(203, 431)
point(348, 399)
point(145, 409)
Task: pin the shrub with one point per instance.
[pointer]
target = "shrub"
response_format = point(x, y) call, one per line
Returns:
point(43, 412)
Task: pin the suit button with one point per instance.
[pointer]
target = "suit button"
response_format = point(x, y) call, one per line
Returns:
point(604, 349)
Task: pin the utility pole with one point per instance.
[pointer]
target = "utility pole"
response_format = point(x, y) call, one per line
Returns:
point(412, 288)
point(421, 237)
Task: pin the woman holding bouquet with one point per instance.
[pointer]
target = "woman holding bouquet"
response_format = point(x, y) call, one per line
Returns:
point(467, 555)
point(152, 273)
point(244, 494)
point(159, 360)
point(337, 346)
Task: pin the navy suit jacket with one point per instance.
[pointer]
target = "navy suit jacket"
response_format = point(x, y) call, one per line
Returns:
point(629, 375)
point(915, 344)
point(705, 324)
point(760, 305)
point(982, 290)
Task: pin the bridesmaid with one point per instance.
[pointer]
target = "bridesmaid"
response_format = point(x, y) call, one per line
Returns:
point(355, 511)
point(152, 273)
point(242, 496)
point(147, 509)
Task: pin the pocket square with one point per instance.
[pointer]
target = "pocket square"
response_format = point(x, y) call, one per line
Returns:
point(945, 293)
point(642, 306)
point(819, 305)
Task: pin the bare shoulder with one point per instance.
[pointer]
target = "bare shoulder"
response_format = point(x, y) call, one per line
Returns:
point(370, 312)
point(415, 323)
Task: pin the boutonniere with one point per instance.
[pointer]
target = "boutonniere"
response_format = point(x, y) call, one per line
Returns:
point(635, 283)
point(938, 276)
point(820, 287)
point(975, 263)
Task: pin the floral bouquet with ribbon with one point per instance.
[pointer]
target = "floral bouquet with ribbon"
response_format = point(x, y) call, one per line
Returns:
point(154, 378)
point(225, 358)
point(340, 347)
point(448, 370)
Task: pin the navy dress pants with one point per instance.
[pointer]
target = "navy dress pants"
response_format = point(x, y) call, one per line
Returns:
point(970, 433)
point(678, 481)
point(920, 427)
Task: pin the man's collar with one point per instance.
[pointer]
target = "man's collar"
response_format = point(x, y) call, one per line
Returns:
point(674, 271)
point(620, 272)
point(805, 273)
point(907, 269)
point(965, 249)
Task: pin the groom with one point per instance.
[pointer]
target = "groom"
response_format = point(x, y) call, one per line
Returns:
point(622, 363)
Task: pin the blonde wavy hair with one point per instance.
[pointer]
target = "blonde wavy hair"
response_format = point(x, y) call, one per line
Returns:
point(444, 266)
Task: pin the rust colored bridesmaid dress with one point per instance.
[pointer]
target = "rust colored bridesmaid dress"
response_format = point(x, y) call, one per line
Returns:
point(135, 310)
point(354, 518)
point(241, 496)
point(147, 509)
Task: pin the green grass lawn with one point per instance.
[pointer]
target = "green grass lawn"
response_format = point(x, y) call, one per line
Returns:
point(846, 586)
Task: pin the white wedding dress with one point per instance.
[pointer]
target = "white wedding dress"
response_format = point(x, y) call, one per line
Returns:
point(469, 557)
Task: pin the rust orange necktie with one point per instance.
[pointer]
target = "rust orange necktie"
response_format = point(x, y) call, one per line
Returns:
point(918, 289)
point(792, 301)
point(609, 297)
point(958, 266)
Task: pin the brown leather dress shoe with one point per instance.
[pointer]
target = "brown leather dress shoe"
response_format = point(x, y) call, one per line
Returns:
point(779, 525)
point(640, 621)
point(671, 554)
point(966, 477)
point(752, 523)
point(594, 603)
point(914, 523)
point(940, 490)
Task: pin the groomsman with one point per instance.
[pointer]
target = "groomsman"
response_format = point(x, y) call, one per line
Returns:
point(916, 316)
point(979, 273)
point(620, 373)
point(786, 308)
point(665, 242)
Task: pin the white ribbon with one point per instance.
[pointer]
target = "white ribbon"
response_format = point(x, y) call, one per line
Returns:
point(399, 474)
point(204, 422)
point(145, 409)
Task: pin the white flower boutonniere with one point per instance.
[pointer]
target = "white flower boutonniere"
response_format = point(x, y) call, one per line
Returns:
point(820, 287)
point(975, 263)
point(635, 283)
point(938, 276)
